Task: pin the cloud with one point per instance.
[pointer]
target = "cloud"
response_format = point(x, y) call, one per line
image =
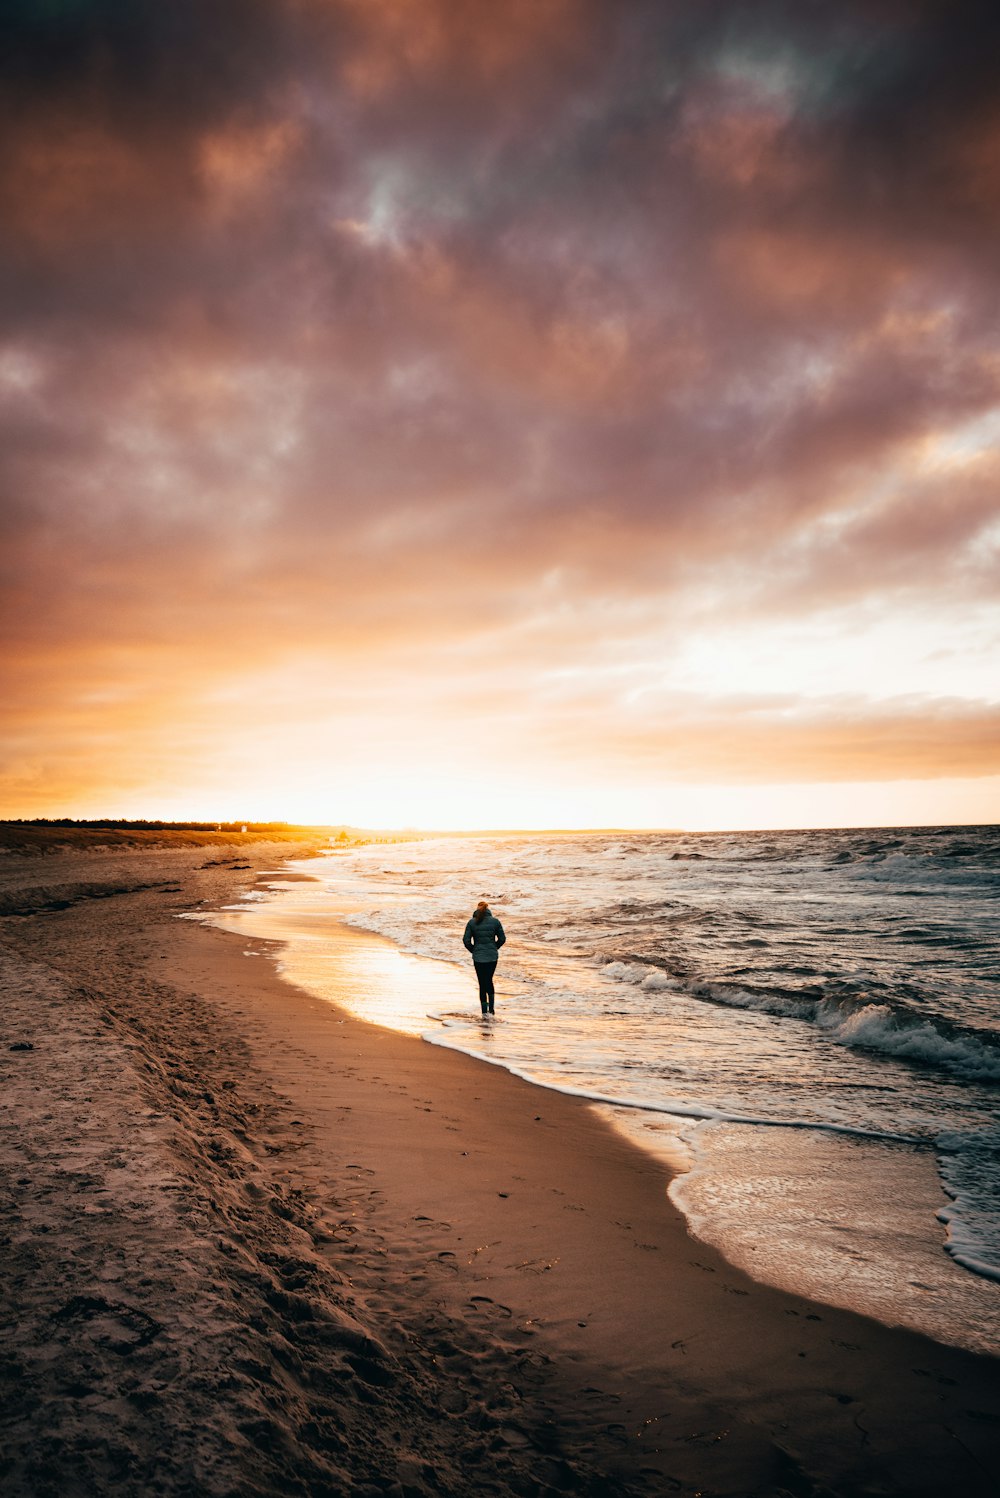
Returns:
point(744, 741)
point(348, 331)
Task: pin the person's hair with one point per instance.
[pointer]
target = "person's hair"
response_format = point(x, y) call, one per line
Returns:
point(480, 911)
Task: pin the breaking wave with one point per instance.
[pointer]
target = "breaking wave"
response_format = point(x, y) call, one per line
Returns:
point(866, 1026)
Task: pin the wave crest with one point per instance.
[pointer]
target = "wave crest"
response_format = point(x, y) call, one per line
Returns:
point(868, 1027)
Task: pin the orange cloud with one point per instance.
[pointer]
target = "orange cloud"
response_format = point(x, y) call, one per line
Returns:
point(469, 46)
point(839, 740)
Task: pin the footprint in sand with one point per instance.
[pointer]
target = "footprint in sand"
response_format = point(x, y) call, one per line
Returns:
point(121, 1328)
point(487, 1303)
point(536, 1266)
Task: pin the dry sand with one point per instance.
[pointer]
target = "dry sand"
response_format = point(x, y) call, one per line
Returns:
point(252, 1246)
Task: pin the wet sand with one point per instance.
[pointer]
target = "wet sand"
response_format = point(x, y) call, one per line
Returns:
point(254, 1246)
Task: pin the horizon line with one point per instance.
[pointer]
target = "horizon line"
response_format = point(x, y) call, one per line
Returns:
point(209, 824)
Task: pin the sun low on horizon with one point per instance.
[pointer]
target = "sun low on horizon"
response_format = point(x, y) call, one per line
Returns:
point(565, 414)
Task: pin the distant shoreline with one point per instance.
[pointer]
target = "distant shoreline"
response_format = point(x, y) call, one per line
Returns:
point(28, 834)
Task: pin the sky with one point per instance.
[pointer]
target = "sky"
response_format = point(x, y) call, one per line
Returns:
point(533, 413)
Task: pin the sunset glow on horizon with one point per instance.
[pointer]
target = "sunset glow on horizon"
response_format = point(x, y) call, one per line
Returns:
point(553, 413)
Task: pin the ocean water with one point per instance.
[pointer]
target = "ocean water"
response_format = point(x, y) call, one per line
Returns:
point(807, 1024)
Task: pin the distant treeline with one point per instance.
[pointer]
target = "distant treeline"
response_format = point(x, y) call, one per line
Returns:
point(125, 824)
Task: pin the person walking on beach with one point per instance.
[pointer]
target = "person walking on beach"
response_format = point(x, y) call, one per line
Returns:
point(484, 936)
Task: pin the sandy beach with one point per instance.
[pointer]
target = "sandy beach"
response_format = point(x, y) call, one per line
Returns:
point(253, 1246)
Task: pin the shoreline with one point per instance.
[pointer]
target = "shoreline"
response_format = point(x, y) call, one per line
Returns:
point(387, 1252)
point(776, 1160)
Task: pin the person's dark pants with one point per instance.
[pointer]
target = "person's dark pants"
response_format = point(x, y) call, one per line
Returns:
point(484, 972)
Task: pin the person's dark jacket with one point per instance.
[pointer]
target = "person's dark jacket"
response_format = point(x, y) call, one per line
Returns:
point(484, 938)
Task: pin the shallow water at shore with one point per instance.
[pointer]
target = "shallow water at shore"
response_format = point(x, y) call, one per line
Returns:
point(762, 1009)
